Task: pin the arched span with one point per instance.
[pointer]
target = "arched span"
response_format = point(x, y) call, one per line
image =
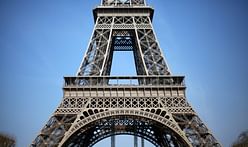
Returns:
point(159, 130)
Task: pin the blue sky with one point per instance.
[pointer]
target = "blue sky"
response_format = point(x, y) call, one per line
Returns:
point(41, 41)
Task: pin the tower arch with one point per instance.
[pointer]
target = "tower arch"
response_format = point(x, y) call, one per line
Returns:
point(160, 131)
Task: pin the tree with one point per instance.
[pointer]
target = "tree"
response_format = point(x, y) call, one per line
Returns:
point(242, 140)
point(6, 141)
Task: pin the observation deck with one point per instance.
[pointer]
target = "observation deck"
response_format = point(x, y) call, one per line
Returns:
point(122, 81)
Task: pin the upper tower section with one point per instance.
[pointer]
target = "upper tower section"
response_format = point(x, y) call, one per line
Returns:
point(123, 8)
point(123, 2)
point(123, 25)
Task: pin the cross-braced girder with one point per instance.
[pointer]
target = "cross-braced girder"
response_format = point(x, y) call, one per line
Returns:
point(195, 130)
point(94, 57)
point(53, 132)
point(147, 53)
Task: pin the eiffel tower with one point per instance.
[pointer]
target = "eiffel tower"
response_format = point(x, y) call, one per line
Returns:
point(151, 105)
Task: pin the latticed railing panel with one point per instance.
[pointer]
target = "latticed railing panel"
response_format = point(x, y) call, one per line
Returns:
point(123, 2)
point(72, 107)
point(126, 102)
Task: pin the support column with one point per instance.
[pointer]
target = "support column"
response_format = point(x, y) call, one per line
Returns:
point(113, 141)
point(142, 142)
point(135, 141)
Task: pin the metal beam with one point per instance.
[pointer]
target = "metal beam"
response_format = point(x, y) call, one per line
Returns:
point(113, 141)
point(135, 141)
point(142, 142)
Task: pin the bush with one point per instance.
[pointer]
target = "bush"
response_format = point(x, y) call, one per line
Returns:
point(6, 141)
point(242, 140)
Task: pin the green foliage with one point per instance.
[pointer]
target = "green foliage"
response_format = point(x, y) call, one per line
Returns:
point(6, 141)
point(242, 140)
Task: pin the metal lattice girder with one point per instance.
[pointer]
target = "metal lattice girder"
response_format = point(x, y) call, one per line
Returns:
point(195, 130)
point(153, 57)
point(94, 58)
point(148, 57)
point(54, 130)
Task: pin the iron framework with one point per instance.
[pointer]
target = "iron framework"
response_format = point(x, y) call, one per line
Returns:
point(151, 105)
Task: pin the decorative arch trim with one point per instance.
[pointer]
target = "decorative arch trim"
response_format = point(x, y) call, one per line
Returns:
point(83, 121)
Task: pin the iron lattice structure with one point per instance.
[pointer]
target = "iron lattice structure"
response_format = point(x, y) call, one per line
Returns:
point(151, 105)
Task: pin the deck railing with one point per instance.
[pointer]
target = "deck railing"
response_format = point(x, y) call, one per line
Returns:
point(81, 81)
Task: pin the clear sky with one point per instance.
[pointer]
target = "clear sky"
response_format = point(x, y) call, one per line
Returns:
point(43, 40)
